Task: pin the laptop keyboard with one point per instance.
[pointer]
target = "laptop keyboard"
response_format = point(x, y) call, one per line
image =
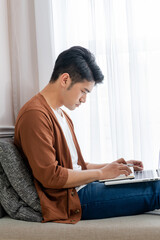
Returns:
point(144, 174)
point(158, 172)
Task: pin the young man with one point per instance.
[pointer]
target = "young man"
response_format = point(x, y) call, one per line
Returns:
point(68, 187)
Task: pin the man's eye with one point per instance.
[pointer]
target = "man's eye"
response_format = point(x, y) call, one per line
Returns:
point(83, 92)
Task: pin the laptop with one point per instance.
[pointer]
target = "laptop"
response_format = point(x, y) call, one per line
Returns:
point(134, 177)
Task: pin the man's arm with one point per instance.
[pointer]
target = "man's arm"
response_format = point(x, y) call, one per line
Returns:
point(138, 165)
point(95, 166)
point(112, 170)
point(77, 178)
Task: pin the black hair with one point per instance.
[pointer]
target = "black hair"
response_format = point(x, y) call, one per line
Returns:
point(79, 63)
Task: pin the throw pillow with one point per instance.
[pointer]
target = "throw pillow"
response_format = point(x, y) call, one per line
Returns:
point(18, 195)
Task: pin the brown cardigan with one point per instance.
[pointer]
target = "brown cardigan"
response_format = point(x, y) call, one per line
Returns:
point(39, 136)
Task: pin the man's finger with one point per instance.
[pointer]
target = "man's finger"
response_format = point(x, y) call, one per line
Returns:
point(121, 160)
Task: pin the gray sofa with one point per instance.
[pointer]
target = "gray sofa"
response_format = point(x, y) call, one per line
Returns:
point(141, 227)
point(144, 226)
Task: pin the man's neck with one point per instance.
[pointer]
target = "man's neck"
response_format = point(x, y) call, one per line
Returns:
point(52, 96)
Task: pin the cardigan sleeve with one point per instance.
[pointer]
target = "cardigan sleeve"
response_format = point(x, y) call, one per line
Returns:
point(35, 133)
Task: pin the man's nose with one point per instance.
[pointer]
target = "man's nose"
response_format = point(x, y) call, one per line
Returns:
point(83, 98)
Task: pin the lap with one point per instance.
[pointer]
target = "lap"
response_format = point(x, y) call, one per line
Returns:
point(98, 200)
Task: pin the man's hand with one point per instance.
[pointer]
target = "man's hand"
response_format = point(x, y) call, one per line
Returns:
point(105, 171)
point(114, 169)
point(138, 165)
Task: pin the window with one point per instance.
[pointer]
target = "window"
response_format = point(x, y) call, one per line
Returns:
point(121, 117)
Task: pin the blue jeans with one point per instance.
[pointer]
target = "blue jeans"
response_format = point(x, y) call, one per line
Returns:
point(100, 201)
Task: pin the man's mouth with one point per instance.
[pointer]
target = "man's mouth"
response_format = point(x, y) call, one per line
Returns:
point(77, 105)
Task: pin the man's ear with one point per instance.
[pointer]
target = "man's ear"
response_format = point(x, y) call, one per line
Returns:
point(65, 80)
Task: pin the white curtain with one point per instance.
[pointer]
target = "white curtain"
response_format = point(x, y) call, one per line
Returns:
point(6, 108)
point(122, 116)
point(26, 53)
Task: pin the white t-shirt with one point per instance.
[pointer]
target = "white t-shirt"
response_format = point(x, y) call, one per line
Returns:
point(68, 136)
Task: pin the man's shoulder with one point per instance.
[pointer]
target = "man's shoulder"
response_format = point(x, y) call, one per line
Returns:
point(34, 105)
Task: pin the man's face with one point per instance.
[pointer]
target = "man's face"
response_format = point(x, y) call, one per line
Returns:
point(76, 94)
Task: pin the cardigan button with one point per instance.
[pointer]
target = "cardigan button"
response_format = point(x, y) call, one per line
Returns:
point(72, 193)
point(72, 220)
point(77, 211)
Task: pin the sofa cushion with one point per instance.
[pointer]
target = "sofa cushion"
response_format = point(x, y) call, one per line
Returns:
point(18, 195)
point(140, 227)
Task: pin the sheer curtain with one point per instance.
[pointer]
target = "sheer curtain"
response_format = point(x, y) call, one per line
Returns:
point(26, 53)
point(122, 116)
point(6, 109)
